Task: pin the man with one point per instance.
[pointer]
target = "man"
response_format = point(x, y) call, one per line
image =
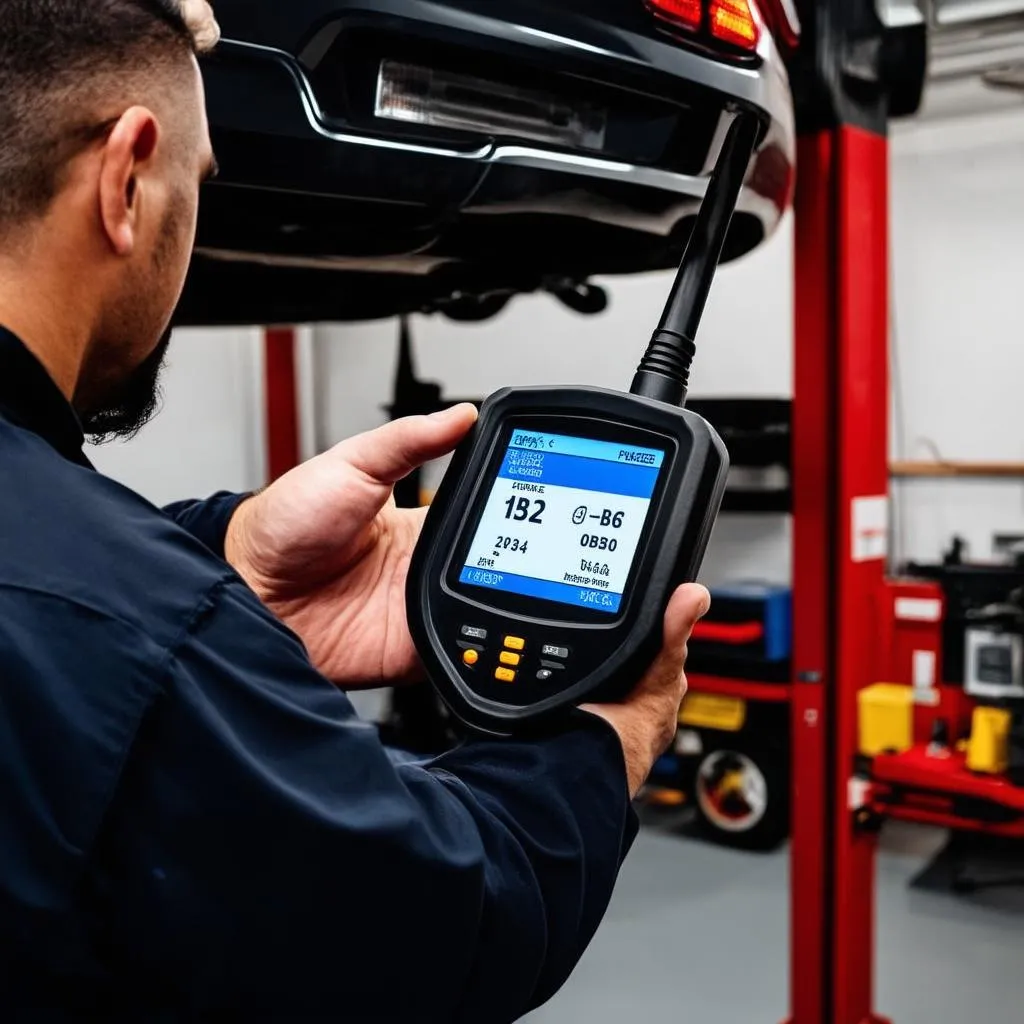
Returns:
point(195, 824)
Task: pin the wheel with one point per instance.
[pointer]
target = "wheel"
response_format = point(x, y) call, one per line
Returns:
point(741, 794)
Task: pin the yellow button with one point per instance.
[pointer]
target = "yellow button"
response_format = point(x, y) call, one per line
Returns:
point(508, 658)
point(470, 657)
point(515, 643)
point(504, 675)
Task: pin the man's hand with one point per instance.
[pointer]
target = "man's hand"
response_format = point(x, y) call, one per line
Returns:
point(646, 720)
point(327, 551)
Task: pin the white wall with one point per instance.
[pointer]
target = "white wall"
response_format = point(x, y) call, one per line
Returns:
point(958, 270)
point(208, 435)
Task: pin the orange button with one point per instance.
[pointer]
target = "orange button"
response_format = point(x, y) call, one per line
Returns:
point(508, 658)
point(470, 657)
point(515, 643)
point(504, 675)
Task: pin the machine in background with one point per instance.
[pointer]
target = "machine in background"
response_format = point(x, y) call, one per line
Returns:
point(942, 735)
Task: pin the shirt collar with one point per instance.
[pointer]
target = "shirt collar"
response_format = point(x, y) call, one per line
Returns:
point(30, 398)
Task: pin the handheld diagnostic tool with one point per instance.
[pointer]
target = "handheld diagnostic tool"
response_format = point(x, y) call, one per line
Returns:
point(569, 515)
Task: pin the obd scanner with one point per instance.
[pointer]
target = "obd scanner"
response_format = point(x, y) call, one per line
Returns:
point(569, 516)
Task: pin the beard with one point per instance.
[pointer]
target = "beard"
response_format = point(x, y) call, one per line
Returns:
point(133, 404)
point(126, 408)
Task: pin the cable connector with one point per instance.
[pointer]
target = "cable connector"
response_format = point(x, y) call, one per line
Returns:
point(664, 371)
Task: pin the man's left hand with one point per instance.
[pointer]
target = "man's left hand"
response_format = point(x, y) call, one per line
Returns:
point(327, 551)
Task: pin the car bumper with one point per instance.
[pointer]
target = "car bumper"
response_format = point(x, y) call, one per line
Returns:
point(303, 189)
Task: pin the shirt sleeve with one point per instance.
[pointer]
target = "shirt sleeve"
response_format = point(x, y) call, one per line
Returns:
point(264, 854)
point(207, 520)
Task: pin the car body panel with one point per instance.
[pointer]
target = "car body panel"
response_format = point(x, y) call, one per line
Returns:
point(346, 215)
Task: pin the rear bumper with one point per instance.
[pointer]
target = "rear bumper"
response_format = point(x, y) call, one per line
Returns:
point(303, 189)
point(279, 109)
point(572, 35)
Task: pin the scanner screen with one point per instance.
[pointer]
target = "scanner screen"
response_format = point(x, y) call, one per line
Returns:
point(563, 519)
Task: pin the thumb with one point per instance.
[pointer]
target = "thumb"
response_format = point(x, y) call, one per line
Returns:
point(393, 451)
point(688, 605)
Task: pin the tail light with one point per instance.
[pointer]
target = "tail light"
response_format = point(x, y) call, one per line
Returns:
point(688, 13)
point(733, 22)
point(736, 23)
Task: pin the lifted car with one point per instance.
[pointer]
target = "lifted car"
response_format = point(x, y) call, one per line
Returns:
point(380, 157)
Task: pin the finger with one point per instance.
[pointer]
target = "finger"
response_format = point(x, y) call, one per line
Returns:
point(393, 451)
point(688, 605)
point(685, 608)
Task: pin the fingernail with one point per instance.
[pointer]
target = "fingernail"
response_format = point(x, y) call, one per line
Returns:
point(462, 406)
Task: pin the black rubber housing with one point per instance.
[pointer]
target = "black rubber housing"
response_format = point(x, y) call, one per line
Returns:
point(610, 653)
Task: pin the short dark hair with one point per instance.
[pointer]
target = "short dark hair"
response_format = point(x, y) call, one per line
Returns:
point(58, 62)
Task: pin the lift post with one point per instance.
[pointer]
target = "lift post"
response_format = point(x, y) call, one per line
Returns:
point(840, 480)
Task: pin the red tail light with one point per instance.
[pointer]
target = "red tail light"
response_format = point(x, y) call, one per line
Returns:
point(688, 13)
point(737, 23)
point(733, 22)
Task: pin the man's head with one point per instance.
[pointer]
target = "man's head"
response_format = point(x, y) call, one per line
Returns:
point(103, 146)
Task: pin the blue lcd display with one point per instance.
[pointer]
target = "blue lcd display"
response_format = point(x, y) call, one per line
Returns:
point(563, 519)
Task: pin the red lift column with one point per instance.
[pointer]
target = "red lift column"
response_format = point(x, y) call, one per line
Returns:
point(282, 401)
point(863, 460)
point(840, 465)
point(841, 481)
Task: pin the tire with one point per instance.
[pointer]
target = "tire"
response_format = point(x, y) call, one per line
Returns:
point(741, 793)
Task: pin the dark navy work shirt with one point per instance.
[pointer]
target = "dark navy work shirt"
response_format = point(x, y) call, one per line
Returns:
point(194, 824)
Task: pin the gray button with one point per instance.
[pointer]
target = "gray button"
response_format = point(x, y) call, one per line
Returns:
point(550, 651)
point(475, 632)
point(544, 675)
point(552, 664)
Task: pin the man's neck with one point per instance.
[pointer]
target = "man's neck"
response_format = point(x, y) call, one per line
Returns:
point(41, 314)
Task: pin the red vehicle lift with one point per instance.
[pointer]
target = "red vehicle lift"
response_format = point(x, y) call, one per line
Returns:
point(840, 479)
point(845, 88)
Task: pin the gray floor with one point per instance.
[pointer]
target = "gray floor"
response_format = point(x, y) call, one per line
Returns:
point(699, 934)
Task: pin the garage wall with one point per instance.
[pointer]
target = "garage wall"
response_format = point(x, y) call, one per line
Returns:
point(208, 435)
point(958, 267)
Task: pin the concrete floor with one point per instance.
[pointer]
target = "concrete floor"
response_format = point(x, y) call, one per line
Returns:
point(697, 933)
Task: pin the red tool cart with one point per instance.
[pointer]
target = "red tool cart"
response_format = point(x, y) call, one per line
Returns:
point(930, 779)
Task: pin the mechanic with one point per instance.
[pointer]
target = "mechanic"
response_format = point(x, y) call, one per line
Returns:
point(195, 823)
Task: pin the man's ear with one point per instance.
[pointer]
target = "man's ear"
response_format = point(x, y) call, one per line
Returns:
point(127, 155)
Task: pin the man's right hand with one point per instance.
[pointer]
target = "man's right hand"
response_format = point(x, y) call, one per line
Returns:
point(646, 720)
